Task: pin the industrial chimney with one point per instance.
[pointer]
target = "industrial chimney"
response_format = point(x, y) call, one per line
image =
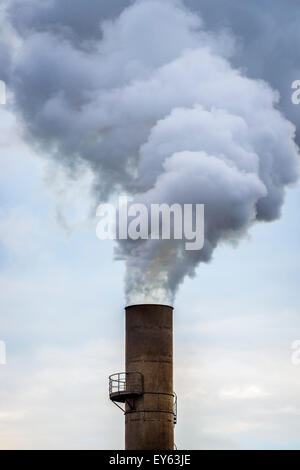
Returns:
point(146, 387)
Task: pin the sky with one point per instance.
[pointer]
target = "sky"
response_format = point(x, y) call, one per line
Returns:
point(62, 294)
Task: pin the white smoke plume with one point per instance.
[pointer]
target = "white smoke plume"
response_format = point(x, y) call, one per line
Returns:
point(153, 107)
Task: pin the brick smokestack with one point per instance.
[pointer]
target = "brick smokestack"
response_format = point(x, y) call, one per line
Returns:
point(149, 423)
point(144, 391)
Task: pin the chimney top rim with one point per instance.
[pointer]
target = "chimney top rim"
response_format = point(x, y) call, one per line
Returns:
point(148, 305)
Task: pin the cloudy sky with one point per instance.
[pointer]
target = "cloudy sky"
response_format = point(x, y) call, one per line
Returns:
point(61, 293)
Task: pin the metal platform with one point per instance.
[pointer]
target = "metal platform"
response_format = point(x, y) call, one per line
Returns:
point(122, 396)
point(125, 386)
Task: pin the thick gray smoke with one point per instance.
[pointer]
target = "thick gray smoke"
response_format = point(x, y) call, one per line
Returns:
point(267, 33)
point(152, 104)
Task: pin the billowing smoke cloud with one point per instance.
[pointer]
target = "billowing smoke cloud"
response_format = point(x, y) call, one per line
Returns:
point(267, 33)
point(151, 102)
point(76, 19)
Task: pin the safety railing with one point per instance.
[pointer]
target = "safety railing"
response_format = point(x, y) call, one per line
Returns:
point(123, 383)
point(175, 408)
